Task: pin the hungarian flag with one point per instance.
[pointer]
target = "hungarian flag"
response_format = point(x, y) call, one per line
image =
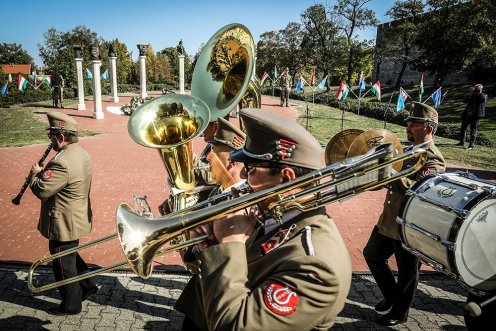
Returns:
point(22, 83)
point(376, 89)
point(402, 96)
point(312, 77)
point(48, 81)
point(342, 91)
point(421, 87)
point(264, 78)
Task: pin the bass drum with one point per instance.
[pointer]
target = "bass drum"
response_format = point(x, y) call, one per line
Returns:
point(449, 221)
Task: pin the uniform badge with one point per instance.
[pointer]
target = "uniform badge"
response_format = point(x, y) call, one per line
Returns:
point(62, 124)
point(280, 299)
point(427, 171)
point(278, 239)
point(46, 175)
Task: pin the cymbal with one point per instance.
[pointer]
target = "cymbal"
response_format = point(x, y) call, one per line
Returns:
point(373, 138)
point(337, 148)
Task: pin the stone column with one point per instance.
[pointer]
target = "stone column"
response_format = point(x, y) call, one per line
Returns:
point(181, 74)
point(142, 57)
point(97, 88)
point(78, 55)
point(113, 79)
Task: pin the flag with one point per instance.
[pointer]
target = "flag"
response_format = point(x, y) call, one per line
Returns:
point(105, 75)
point(264, 78)
point(89, 75)
point(10, 78)
point(48, 81)
point(312, 77)
point(361, 82)
point(421, 87)
point(436, 98)
point(322, 83)
point(300, 84)
point(21, 83)
point(402, 96)
point(5, 89)
point(342, 91)
point(376, 89)
point(275, 71)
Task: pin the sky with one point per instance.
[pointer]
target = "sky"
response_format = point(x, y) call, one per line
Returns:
point(160, 22)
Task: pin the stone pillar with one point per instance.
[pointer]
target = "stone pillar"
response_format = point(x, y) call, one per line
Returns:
point(78, 55)
point(113, 79)
point(97, 88)
point(142, 57)
point(181, 74)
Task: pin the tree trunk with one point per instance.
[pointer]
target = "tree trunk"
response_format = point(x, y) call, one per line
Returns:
point(378, 70)
point(400, 75)
point(350, 66)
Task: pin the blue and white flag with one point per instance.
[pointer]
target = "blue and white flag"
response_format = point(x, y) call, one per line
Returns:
point(5, 89)
point(402, 96)
point(322, 84)
point(105, 75)
point(275, 71)
point(436, 98)
point(300, 84)
point(361, 82)
point(89, 74)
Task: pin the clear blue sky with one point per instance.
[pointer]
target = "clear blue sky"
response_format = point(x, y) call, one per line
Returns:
point(160, 22)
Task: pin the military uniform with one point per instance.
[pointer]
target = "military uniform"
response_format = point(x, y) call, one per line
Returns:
point(291, 274)
point(63, 187)
point(385, 240)
point(285, 84)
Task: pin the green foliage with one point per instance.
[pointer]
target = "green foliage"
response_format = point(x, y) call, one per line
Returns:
point(30, 95)
point(15, 54)
point(170, 53)
point(124, 63)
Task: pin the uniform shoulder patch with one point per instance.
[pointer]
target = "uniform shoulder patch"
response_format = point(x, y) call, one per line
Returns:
point(428, 171)
point(280, 298)
point(46, 175)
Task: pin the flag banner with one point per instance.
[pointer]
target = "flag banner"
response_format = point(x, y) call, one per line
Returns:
point(402, 96)
point(275, 71)
point(436, 97)
point(48, 81)
point(10, 78)
point(89, 75)
point(312, 77)
point(361, 83)
point(300, 84)
point(264, 78)
point(22, 83)
point(421, 87)
point(376, 89)
point(5, 89)
point(105, 75)
point(342, 91)
point(322, 84)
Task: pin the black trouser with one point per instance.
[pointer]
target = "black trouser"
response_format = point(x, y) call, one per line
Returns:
point(378, 250)
point(473, 122)
point(69, 266)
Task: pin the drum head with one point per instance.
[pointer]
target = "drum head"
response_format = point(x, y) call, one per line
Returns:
point(475, 251)
point(337, 148)
point(373, 138)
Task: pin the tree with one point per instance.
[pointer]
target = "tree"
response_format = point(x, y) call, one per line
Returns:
point(383, 51)
point(452, 33)
point(321, 43)
point(14, 54)
point(170, 53)
point(404, 32)
point(158, 70)
point(124, 62)
point(354, 16)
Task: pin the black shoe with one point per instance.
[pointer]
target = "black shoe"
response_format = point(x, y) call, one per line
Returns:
point(389, 320)
point(460, 144)
point(470, 147)
point(58, 312)
point(383, 305)
point(88, 293)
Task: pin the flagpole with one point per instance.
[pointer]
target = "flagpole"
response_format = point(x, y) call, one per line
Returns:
point(359, 99)
point(308, 110)
point(387, 108)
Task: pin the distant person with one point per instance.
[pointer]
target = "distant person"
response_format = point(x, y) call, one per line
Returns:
point(474, 111)
point(63, 187)
point(285, 85)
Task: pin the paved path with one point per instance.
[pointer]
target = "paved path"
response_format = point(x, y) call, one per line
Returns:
point(126, 302)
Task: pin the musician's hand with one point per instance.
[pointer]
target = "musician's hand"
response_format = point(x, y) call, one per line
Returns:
point(35, 168)
point(236, 227)
point(202, 230)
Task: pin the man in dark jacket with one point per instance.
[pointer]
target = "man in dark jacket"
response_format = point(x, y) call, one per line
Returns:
point(474, 111)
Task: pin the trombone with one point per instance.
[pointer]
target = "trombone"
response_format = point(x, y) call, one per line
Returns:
point(141, 238)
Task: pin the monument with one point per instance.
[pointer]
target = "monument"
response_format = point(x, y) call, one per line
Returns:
point(78, 56)
point(142, 57)
point(97, 88)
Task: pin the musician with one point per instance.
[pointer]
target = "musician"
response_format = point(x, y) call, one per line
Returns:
point(63, 187)
point(385, 239)
point(285, 84)
point(293, 273)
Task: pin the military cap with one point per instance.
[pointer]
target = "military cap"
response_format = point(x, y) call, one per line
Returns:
point(271, 137)
point(228, 134)
point(61, 121)
point(420, 112)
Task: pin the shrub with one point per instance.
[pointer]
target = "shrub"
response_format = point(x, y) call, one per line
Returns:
point(30, 95)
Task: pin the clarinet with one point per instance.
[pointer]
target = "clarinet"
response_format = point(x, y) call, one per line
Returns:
point(17, 200)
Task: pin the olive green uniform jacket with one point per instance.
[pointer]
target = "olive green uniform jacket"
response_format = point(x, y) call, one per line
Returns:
point(396, 190)
point(64, 190)
point(231, 291)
